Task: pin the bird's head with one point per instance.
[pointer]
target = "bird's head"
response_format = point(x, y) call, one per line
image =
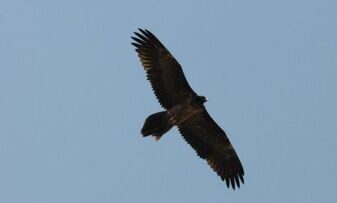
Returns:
point(200, 100)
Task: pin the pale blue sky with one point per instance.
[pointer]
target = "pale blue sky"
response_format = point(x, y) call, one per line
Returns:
point(73, 97)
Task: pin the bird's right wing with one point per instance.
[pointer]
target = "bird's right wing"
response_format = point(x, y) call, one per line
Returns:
point(211, 143)
point(163, 71)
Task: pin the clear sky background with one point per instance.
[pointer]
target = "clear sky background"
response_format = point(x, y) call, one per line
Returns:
point(73, 98)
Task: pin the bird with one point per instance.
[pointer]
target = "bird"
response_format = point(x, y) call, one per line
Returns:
point(184, 109)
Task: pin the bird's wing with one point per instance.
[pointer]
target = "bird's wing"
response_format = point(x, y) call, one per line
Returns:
point(211, 143)
point(163, 71)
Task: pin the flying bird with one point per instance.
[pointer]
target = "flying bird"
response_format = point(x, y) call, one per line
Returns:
point(184, 109)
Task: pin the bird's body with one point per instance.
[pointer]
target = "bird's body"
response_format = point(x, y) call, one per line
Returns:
point(182, 112)
point(185, 110)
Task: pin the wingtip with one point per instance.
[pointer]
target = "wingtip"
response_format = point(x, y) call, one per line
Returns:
point(237, 181)
point(242, 179)
point(143, 31)
point(227, 182)
point(146, 30)
point(139, 30)
point(234, 181)
point(135, 45)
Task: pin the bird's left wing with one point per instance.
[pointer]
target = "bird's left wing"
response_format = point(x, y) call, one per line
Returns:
point(163, 71)
point(211, 143)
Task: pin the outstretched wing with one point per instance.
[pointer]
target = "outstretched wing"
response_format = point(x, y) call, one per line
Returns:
point(163, 71)
point(211, 143)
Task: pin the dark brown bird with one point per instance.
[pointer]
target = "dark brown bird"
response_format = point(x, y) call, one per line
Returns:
point(185, 110)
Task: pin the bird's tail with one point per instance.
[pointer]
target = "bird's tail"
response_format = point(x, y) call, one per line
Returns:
point(157, 125)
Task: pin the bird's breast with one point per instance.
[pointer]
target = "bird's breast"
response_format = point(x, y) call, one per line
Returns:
point(182, 112)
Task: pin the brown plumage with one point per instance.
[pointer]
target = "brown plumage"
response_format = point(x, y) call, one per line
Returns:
point(184, 109)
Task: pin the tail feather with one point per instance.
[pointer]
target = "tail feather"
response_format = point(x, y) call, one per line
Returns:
point(156, 125)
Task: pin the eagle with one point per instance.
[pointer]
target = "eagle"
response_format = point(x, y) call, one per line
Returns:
point(184, 109)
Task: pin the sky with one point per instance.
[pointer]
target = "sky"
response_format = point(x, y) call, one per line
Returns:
point(73, 98)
